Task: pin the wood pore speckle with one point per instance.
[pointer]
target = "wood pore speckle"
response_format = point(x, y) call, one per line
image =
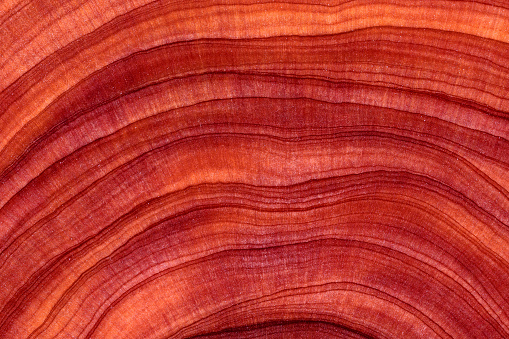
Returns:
point(247, 169)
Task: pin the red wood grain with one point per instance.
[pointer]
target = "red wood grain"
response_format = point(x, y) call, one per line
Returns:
point(243, 169)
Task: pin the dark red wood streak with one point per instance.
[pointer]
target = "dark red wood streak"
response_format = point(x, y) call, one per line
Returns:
point(214, 169)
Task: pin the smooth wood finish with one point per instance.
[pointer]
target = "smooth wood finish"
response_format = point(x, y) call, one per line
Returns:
point(243, 169)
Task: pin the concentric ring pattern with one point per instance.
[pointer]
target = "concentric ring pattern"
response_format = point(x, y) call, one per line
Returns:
point(247, 169)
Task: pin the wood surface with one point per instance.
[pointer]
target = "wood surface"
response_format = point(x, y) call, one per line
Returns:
point(247, 169)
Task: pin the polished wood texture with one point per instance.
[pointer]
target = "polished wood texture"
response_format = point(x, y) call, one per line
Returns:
point(246, 169)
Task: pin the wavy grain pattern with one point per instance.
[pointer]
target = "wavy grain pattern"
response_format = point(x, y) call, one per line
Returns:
point(245, 169)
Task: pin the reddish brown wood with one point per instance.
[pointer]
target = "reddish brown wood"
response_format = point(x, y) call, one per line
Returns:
point(243, 169)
